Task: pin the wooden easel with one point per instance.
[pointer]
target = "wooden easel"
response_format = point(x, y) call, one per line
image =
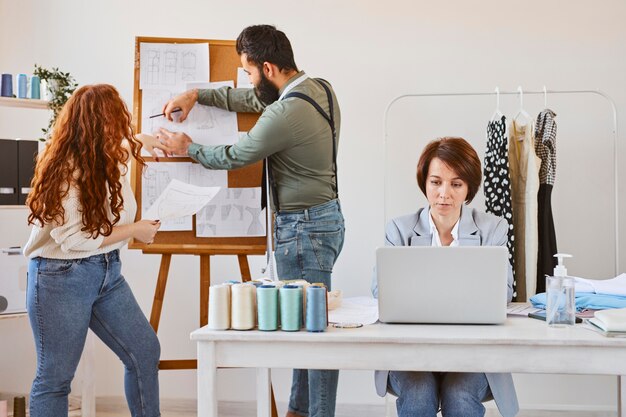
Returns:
point(224, 62)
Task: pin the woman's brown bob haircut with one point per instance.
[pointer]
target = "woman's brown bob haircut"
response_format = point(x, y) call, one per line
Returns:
point(459, 156)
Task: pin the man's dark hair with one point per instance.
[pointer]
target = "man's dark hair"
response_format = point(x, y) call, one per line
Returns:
point(265, 43)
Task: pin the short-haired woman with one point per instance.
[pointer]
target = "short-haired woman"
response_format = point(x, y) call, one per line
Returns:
point(449, 174)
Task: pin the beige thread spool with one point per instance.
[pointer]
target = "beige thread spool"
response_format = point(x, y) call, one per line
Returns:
point(219, 307)
point(243, 306)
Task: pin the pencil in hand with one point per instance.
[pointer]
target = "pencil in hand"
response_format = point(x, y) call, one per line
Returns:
point(163, 114)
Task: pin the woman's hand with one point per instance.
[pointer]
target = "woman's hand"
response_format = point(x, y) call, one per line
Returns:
point(149, 143)
point(182, 103)
point(145, 230)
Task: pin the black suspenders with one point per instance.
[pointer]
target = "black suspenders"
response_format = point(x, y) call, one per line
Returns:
point(330, 118)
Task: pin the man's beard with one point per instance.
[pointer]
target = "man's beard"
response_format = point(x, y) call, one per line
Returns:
point(266, 91)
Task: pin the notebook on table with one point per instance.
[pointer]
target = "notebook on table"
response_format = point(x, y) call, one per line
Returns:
point(444, 285)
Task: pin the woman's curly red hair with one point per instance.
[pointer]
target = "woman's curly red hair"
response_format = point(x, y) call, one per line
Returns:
point(85, 151)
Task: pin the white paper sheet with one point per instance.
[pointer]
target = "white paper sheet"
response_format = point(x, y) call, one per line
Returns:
point(156, 177)
point(233, 212)
point(171, 66)
point(208, 125)
point(243, 80)
point(362, 310)
point(180, 200)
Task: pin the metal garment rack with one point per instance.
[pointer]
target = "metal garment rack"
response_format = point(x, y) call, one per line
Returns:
point(520, 93)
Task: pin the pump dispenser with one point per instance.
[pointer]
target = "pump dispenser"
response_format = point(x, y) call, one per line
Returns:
point(560, 296)
point(560, 270)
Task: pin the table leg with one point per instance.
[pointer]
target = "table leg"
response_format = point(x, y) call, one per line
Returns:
point(621, 395)
point(263, 396)
point(207, 380)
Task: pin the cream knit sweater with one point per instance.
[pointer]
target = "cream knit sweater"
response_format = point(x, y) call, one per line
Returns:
point(66, 240)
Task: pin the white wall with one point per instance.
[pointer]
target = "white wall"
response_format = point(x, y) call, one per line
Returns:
point(371, 51)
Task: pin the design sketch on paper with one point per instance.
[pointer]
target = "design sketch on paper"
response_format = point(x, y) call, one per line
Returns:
point(233, 212)
point(157, 176)
point(171, 66)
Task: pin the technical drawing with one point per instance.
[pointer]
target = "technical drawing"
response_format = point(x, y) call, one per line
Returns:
point(233, 212)
point(189, 66)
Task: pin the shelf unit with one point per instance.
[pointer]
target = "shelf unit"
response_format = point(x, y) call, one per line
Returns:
point(26, 103)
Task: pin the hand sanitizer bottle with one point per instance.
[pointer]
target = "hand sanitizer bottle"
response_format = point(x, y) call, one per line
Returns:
point(560, 303)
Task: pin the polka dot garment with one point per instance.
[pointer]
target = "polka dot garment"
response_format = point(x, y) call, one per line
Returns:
point(497, 184)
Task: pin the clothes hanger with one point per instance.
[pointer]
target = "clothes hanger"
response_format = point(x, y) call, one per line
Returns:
point(497, 115)
point(522, 117)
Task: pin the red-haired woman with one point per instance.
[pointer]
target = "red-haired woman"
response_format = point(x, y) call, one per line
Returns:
point(82, 211)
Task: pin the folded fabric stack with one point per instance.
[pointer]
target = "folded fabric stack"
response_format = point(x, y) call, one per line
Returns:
point(593, 294)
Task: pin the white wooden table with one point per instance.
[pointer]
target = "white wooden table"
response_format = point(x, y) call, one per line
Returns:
point(520, 345)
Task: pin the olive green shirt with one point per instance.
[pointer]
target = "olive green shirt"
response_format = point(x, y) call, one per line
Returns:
point(295, 137)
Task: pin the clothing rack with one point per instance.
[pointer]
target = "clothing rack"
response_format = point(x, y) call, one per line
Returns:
point(520, 92)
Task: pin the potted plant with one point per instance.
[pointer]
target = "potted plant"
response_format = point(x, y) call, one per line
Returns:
point(60, 86)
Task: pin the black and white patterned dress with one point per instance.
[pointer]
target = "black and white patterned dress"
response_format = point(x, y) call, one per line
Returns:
point(497, 182)
point(545, 148)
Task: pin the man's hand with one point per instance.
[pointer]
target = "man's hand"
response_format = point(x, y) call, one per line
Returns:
point(172, 143)
point(184, 102)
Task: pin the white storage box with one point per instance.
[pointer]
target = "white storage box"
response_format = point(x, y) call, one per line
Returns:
point(13, 272)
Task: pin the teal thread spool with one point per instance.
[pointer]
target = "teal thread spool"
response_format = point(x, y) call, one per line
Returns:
point(22, 85)
point(35, 92)
point(267, 307)
point(316, 308)
point(291, 308)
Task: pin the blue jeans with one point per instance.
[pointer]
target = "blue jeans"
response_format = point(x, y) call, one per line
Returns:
point(67, 297)
point(308, 243)
point(420, 393)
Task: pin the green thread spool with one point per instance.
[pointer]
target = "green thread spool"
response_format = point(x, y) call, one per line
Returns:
point(267, 307)
point(291, 308)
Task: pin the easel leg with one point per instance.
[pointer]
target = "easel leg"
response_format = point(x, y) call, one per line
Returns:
point(159, 292)
point(244, 267)
point(274, 409)
point(205, 282)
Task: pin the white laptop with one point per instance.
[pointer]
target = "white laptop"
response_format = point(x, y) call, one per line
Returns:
point(453, 285)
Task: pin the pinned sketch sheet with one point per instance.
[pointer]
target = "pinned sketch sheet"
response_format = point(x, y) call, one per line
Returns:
point(180, 200)
point(208, 125)
point(157, 176)
point(170, 67)
point(233, 212)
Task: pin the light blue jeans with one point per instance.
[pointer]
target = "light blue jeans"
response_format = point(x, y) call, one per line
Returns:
point(308, 243)
point(420, 393)
point(67, 297)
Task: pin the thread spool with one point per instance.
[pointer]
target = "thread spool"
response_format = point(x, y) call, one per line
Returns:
point(219, 307)
point(267, 307)
point(291, 308)
point(4, 408)
point(19, 407)
point(22, 85)
point(7, 85)
point(35, 87)
point(243, 306)
point(322, 285)
point(316, 320)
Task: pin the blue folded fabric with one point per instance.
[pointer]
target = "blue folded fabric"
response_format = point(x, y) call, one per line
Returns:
point(585, 300)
